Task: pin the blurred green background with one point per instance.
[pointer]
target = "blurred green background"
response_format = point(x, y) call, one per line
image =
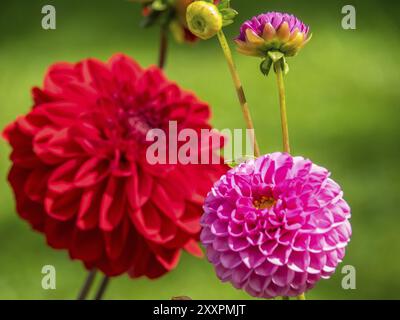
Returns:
point(343, 100)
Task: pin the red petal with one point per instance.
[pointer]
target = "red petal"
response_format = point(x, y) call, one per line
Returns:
point(113, 204)
point(36, 184)
point(86, 245)
point(194, 249)
point(171, 203)
point(62, 178)
point(91, 172)
point(63, 206)
point(150, 222)
point(58, 234)
point(190, 221)
point(88, 215)
point(116, 239)
point(125, 69)
point(139, 187)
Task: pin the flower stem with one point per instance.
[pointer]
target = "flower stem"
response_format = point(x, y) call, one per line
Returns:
point(87, 285)
point(239, 89)
point(102, 289)
point(162, 58)
point(282, 102)
point(301, 297)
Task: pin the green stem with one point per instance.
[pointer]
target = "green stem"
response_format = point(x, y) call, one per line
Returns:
point(282, 102)
point(239, 89)
point(162, 56)
point(87, 285)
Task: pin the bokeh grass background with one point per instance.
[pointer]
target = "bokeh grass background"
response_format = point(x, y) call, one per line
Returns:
point(343, 100)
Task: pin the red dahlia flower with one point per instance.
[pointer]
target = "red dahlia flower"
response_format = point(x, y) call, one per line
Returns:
point(79, 169)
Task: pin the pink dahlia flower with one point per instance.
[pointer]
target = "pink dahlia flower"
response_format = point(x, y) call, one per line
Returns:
point(276, 225)
point(272, 31)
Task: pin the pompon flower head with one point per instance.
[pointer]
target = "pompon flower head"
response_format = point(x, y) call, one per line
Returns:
point(206, 18)
point(276, 225)
point(272, 31)
point(80, 172)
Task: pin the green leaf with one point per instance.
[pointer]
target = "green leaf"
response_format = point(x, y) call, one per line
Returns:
point(223, 4)
point(265, 66)
point(275, 55)
point(228, 13)
point(285, 66)
point(227, 22)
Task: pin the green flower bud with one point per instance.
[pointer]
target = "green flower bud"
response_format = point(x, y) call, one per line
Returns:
point(204, 19)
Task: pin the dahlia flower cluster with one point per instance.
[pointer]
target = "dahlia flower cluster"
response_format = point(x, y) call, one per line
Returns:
point(272, 226)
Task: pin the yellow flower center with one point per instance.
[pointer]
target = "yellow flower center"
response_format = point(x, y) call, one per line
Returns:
point(264, 203)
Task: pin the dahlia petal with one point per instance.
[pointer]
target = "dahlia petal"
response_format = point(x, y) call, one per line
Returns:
point(317, 263)
point(240, 274)
point(257, 283)
point(221, 244)
point(126, 70)
point(237, 244)
point(63, 206)
point(189, 222)
point(54, 146)
point(152, 225)
point(112, 205)
point(139, 187)
point(115, 240)
point(193, 248)
point(91, 172)
point(36, 184)
point(266, 269)
point(223, 273)
point(230, 259)
point(58, 234)
point(58, 75)
point(299, 261)
point(283, 276)
point(272, 290)
point(61, 113)
point(86, 245)
point(167, 257)
point(219, 228)
point(252, 257)
point(88, 214)
point(26, 208)
point(169, 202)
point(212, 255)
point(96, 74)
point(301, 242)
point(206, 236)
point(280, 256)
point(299, 281)
point(268, 247)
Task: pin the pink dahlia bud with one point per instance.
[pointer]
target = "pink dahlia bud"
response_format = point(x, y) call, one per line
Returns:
point(276, 225)
point(272, 31)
